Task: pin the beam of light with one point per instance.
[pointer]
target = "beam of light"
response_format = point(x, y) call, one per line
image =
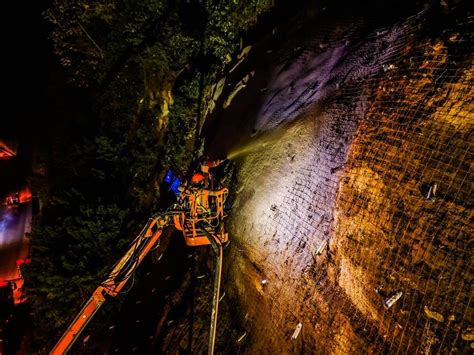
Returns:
point(245, 149)
point(259, 141)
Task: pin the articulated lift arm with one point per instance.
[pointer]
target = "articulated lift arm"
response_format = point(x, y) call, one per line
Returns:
point(200, 218)
point(115, 281)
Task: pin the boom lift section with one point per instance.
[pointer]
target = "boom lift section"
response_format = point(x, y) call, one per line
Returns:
point(199, 215)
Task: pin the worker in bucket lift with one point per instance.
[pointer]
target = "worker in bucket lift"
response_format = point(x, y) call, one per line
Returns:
point(204, 178)
point(198, 180)
point(206, 164)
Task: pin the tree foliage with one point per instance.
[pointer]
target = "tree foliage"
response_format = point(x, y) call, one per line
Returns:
point(135, 60)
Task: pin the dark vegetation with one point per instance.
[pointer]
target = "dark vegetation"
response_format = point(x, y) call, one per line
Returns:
point(127, 63)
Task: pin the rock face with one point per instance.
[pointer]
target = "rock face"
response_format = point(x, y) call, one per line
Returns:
point(353, 213)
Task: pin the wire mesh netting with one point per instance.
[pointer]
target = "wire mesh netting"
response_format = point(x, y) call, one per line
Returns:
point(406, 197)
point(352, 221)
point(364, 231)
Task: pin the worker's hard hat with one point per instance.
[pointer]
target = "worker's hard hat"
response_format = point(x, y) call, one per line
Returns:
point(197, 178)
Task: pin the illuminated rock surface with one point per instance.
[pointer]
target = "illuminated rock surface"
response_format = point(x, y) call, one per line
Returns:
point(334, 209)
point(352, 217)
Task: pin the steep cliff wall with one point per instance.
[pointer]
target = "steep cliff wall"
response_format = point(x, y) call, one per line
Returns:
point(333, 216)
point(352, 214)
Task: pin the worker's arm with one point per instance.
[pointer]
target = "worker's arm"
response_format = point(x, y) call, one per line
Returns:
point(215, 163)
point(115, 281)
point(208, 164)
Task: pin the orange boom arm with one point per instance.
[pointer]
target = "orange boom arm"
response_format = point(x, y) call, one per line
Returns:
point(115, 281)
point(199, 217)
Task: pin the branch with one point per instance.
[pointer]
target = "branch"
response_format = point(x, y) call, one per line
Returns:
point(90, 38)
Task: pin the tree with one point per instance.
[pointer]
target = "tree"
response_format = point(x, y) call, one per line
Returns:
point(142, 63)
